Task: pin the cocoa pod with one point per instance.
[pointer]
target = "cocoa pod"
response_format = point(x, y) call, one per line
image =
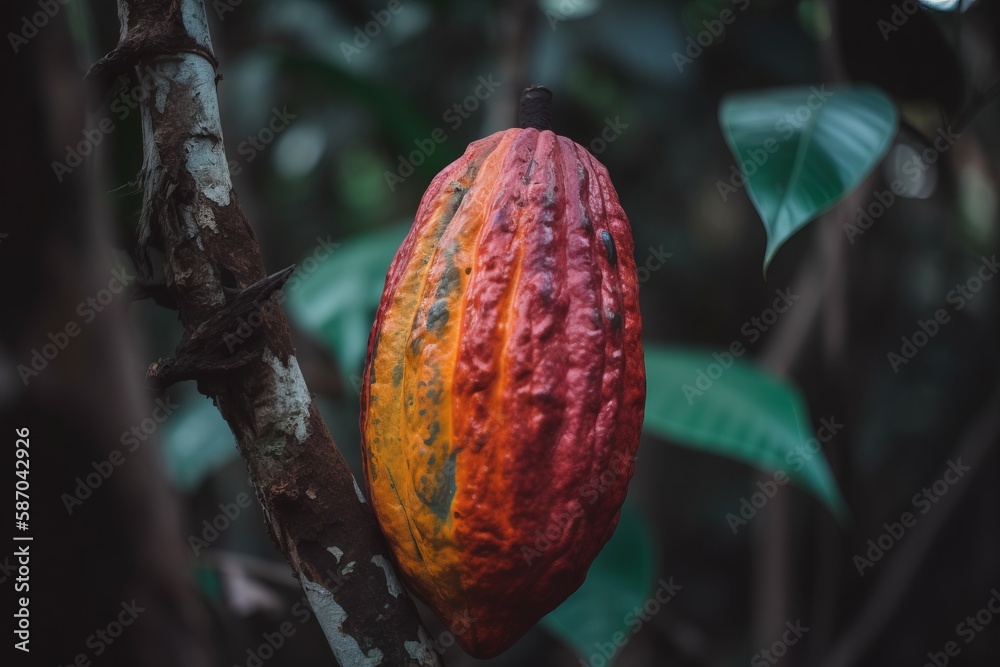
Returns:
point(503, 395)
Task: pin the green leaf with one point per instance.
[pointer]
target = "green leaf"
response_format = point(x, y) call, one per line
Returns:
point(724, 406)
point(801, 150)
point(620, 579)
point(196, 442)
point(336, 303)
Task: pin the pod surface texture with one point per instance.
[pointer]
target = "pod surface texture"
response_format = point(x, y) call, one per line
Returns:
point(504, 390)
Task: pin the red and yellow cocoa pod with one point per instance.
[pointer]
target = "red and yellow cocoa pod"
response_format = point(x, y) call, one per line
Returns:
point(504, 390)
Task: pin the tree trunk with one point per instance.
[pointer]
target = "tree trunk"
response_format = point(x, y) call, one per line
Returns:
point(237, 346)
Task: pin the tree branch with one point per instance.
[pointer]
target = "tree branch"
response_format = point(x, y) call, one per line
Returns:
point(903, 564)
point(214, 272)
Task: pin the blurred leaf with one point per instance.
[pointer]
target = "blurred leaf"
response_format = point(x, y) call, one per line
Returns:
point(337, 302)
point(362, 183)
point(814, 17)
point(569, 11)
point(943, 5)
point(81, 28)
point(208, 581)
point(620, 579)
point(742, 412)
point(801, 150)
point(196, 442)
point(698, 15)
point(400, 117)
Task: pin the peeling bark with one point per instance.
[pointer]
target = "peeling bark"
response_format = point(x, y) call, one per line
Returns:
point(215, 275)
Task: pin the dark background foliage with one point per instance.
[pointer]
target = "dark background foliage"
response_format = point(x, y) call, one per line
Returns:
point(349, 117)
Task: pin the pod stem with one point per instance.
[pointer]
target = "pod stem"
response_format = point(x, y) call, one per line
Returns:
point(536, 108)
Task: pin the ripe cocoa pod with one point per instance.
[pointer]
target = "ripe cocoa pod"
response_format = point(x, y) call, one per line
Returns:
point(504, 390)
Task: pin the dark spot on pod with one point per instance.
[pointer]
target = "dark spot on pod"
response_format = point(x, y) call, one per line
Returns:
point(438, 492)
point(547, 292)
point(458, 194)
point(609, 245)
point(468, 270)
point(416, 344)
point(614, 319)
point(449, 279)
point(503, 221)
point(437, 316)
point(433, 430)
point(527, 171)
